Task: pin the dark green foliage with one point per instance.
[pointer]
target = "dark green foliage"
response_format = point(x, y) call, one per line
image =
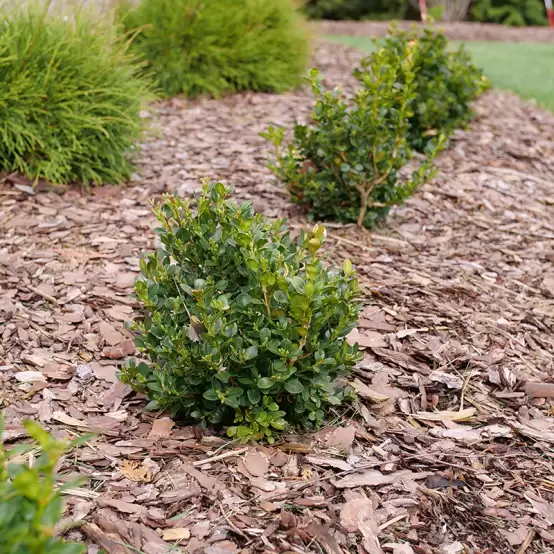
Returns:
point(355, 9)
point(221, 46)
point(69, 97)
point(509, 12)
point(244, 326)
point(345, 165)
point(30, 502)
point(445, 83)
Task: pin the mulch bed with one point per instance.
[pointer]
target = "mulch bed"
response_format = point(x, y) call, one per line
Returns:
point(454, 31)
point(449, 448)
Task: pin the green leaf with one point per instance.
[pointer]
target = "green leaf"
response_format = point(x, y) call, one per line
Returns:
point(243, 300)
point(265, 383)
point(294, 386)
point(254, 396)
point(211, 395)
point(251, 352)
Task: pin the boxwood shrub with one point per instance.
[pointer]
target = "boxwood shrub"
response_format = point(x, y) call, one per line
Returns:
point(30, 500)
point(243, 327)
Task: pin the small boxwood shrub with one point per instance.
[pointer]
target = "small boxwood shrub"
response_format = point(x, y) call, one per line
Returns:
point(345, 164)
point(221, 46)
point(243, 325)
point(70, 96)
point(30, 501)
point(445, 82)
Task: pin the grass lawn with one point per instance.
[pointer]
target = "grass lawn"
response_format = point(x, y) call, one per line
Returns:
point(525, 68)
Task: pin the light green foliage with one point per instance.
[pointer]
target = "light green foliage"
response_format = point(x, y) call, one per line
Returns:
point(345, 164)
point(445, 83)
point(243, 326)
point(30, 502)
point(509, 12)
point(69, 97)
point(221, 46)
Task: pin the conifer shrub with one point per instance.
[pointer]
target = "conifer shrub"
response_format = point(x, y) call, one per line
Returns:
point(70, 96)
point(222, 46)
point(30, 501)
point(446, 82)
point(344, 165)
point(244, 327)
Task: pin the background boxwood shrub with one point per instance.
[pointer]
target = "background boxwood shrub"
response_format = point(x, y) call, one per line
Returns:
point(509, 12)
point(69, 96)
point(356, 9)
point(30, 501)
point(244, 327)
point(345, 164)
point(221, 46)
point(445, 82)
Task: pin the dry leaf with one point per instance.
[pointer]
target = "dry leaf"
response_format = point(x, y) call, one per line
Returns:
point(446, 415)
point(448, 379)
point(399, 548)
point(135, 471)
point(358, 513)
point(328, 462)
point(29, 376)
point(109, 334)
point(176, 534)
point(67, 420)
point(161, 427)
point(542, 507)
point(374, 478)
point(256, 463)
point(341, 438)
point(364, 391)
point(370, 339)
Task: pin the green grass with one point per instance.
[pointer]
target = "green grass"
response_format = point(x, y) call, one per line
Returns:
point(525, 68)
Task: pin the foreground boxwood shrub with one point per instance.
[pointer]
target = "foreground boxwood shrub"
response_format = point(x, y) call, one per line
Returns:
point(69, 97)
point(244, 326)
point(221, 46)
point(446, 82)
point(30, 502)
point(345, 164)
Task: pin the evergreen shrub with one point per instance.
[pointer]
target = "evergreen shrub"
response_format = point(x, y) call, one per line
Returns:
point(30, 500)
point(244, 327)
point(70, 96)
point(196, 47)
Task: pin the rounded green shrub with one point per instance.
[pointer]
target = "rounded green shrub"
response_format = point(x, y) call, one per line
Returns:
point(197, 47)
point(70, 96)
point(446, 82)
point(244, 327)
point(346, 163)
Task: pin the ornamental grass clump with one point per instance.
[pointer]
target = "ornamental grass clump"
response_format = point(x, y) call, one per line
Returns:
point(346, 163)
point(70, 96)
point(30, 500)
point(244, 327)
point(446, 82)
point(196, 47)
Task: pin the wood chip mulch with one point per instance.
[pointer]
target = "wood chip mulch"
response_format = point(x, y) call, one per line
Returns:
point(449, 449)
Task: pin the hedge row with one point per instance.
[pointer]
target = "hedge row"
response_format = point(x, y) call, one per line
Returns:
point(507, 12)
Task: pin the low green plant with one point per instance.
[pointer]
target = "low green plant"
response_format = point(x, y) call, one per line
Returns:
point(446, 82)
point(196, 47)
point(244, 327)
point(30, 501)
point(355, 9)
point(70, 96)
point(345, 164)
point(509, 12)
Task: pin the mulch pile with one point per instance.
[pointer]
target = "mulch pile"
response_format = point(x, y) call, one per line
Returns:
point(448, 449)
point(459, 30)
